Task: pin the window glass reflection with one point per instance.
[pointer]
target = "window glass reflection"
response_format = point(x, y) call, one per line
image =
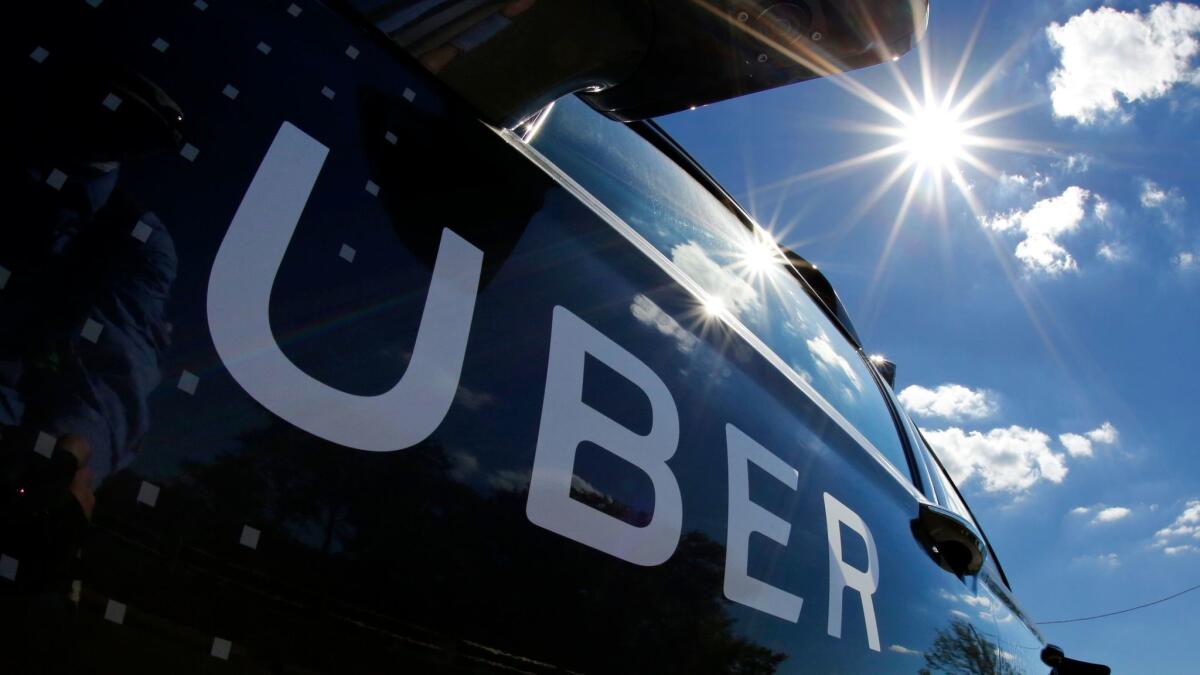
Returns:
point(739, 269)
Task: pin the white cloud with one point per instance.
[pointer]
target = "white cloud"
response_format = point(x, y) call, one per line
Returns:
point(1076, 445)
point(1080, 510)
point(1108, 561)
point(1111, 514)
point(1152, 195)
point(1036, 180)
point(1009, 459)
point(1043, 224)
point(1105, 433)
point(1080, 445)
point(1184, 260)
point(951, 401)
point(901, 649)
point(1106, 52)
point(1176, 550)
point(1078, 162)
point(1185, 525)
point(1112, 251)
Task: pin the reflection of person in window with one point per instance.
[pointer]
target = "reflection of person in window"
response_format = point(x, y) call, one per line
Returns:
point(82, 315)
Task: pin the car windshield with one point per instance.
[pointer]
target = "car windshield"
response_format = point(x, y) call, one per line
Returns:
point(739, 268)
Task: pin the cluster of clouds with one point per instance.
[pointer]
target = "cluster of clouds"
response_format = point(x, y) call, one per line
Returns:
point(1109, 56)
point(1103, 514)
point(1003, 459)
point(1042, 225)
point(1183, 535)
point(1109, 61)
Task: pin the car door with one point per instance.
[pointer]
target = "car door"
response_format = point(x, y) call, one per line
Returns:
point(366, 385)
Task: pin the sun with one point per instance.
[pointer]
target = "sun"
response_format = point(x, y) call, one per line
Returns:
point(933, 138)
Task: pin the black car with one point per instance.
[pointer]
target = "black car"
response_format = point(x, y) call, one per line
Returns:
point(392, 336)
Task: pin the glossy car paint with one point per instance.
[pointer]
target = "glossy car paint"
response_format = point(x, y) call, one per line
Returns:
point(235, 532)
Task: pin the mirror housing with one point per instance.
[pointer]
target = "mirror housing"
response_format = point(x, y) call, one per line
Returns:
point(706, 51)
point(635, 59)
point(1053, 656)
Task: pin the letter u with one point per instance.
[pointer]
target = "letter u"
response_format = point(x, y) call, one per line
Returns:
point(239, 295)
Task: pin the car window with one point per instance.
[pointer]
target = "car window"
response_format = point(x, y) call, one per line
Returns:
point(739, 269)
point(951, 499)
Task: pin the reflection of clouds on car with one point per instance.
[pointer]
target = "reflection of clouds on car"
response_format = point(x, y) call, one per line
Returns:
point(834, 366)
point(738, 296)
point(646, 311)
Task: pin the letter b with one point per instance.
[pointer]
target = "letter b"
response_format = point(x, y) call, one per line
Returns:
point(567, 421)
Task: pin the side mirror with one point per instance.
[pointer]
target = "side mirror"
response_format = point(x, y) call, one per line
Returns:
point(885, 368)
point(1053, 656)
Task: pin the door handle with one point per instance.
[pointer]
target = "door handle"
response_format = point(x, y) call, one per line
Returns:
point(950, 540)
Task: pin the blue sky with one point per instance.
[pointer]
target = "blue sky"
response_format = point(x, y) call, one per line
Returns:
point(1045, 321)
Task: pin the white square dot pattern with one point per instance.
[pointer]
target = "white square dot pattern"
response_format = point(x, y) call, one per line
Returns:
point(188, 382)
point(220, 648)
point(5, 275)
point(160, 44)
point(231, 92)
point(327, 93)
point(373, 188)
point(352, 52)
point(39, 54)
point(294, 9)
point(249, 537)
point(347, 253)
point(264, 48)
point(390, 138)
point(91, 330)
point(409, 95)
point(200, 5)
point(8, 567)
point(148, 494)
point(112, 102)
point(115, 611)
point(189, 152)
point(56, 179)
point(44, 445)
point(141, 232)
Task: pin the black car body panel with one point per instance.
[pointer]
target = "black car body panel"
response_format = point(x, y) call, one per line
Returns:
point(487, 418)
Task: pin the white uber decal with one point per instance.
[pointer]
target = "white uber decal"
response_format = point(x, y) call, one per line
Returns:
point(843, 576)
point(239, 296)
point(746, 517)
point(567, 421)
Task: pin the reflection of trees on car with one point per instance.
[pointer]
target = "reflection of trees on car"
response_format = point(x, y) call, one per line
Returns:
point(961, 650)
point(378, 553)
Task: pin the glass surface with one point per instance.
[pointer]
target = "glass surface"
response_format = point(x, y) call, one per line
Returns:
point(739, 269)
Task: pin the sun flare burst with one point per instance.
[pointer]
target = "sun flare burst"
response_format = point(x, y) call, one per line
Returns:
point(933, 138)
point(934, 133)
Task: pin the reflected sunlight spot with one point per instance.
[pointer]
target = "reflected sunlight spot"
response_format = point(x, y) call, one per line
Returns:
point(758, 256)
point(714, 305)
